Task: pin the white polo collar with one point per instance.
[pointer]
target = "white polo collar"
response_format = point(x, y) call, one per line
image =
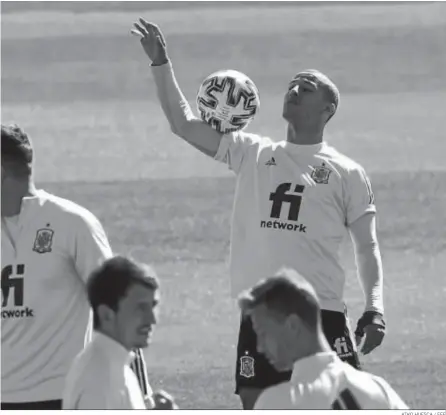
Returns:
point(310, 367)
point(114, 350)
point(38, 198)
point(300, 149)
point(30, 205)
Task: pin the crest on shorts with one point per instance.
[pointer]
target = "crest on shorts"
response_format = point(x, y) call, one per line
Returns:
point(247, 366)
point(43, 241)
point(321, 174)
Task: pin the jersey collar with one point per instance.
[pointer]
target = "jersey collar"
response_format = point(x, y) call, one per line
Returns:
point(116, 351)
point(30, 204)
point(302, 148)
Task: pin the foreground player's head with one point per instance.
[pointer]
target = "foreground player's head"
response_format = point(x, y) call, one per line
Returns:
point(17, 154)
point(124, 295)
point(285, 314)
point(311, 100)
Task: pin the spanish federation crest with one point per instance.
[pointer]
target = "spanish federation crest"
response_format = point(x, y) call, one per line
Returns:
point(44, 241)
point(321, 174)
point(247, 366)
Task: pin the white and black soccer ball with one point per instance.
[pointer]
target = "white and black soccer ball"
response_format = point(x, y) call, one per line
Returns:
point(228, 100)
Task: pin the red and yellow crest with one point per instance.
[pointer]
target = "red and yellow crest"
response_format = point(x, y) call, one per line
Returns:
point(43, 241)
point(321, 174)
point(247, 366)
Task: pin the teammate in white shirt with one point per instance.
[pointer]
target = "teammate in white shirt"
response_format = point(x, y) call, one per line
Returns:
point(124, 296)
point(295, 201)
point(286, 316)
point(49, 247)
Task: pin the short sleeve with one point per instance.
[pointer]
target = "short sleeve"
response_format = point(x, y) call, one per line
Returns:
point(91, 245)
point(358, 197)
point(233, 149)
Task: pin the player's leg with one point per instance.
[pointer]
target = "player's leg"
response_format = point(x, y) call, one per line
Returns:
point(340, 336)
point(253, 371)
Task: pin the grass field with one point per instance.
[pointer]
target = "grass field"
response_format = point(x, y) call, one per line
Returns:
point(79, 84)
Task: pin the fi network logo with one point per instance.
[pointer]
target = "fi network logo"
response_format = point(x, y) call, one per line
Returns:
point(341, 347)
point(13, 288)
point(283, 197)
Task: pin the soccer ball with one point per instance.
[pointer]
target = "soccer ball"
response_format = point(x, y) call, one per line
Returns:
point(228, 100)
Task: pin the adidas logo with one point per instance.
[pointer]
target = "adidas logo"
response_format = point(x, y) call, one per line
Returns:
point(271, 162)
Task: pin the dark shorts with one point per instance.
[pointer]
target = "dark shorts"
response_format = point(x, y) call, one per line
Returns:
point(42, 405)
point(254, 370)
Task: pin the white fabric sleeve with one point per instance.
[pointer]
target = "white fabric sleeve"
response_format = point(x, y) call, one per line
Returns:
point(369, 262)
point(234, 148)
point(393, 399)
point(94, 398)
point(358, 197)
point(91, 245)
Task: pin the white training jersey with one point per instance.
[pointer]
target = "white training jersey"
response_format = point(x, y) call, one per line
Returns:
point(323, 381)
point(292, 206)
point(100, 377)
point(47, 256)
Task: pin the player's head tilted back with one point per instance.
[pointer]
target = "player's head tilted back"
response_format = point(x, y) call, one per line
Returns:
point(285, 313)
point(311, 100)
point(17, 154)
point(124, 295)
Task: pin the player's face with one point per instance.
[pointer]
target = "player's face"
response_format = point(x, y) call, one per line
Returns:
point(273, 338)
point(305, 100)
point(136, 316)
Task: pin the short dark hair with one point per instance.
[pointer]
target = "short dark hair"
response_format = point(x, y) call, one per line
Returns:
point(17, 148)
point(285, 293)
point(331, 91)
point(110, 282)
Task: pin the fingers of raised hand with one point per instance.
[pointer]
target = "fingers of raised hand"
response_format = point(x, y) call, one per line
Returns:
point(144, 28)
point(139, 30)
point(150, 28)
point(153, 30)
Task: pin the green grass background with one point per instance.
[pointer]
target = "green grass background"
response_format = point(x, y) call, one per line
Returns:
point(76, 80)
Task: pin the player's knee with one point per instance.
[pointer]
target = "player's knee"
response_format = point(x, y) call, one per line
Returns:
point(249, 396)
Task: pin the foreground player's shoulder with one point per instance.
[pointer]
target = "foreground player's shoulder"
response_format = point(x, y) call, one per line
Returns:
point(370, 391)
point(87, 385)
point(71, 213)
point(394, 401)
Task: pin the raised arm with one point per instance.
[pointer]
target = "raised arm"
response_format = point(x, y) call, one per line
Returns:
point(177, 110)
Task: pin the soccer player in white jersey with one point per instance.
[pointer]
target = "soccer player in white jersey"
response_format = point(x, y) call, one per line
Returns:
point(124, 297)
point(295, 201)
point(286, 316)
point(49, 247)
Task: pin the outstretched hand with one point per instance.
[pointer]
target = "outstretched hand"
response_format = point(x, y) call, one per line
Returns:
point(374, 336)
point(152, 41)
point(373, 327)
